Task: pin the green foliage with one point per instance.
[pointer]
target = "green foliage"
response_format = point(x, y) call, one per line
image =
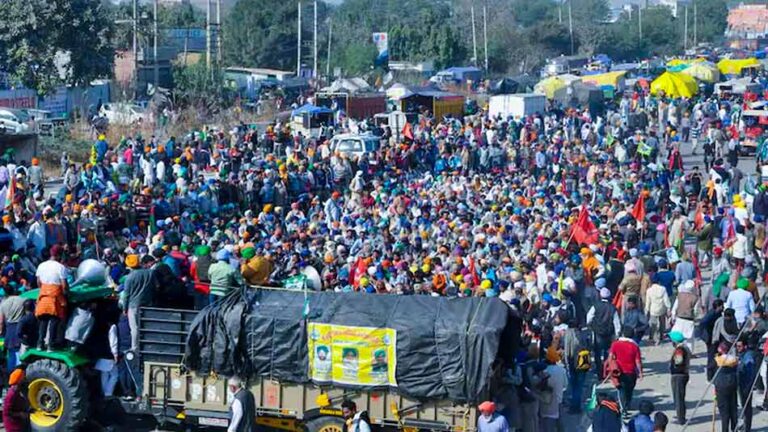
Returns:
point(530, 13)
point(711, 21)
point(33, 32)
point(198, 86)
point(262, 33)
point(418, 30)
point(180, 15)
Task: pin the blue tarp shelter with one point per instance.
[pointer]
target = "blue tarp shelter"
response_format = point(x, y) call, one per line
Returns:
point(468, 73)
point(310, 109)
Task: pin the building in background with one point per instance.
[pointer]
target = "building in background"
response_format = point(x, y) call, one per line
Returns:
point(748, 27)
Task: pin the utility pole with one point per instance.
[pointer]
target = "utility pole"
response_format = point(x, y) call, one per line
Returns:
point(570, 24)
point(154, 48)
point(695, 25)
point(208, 38)
point(218, 32)
point(685, 30)
point(298, 45)
point(314, 43)
point(328, 61)
point(560, 13)
point(485, 36)
point(640, 23)
point(135, 47)
point(474, 36)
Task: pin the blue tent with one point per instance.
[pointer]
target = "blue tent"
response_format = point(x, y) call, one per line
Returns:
point(310, 109)
point(462, 74)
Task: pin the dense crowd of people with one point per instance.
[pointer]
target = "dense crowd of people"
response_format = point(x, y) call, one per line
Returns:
point(577, 218)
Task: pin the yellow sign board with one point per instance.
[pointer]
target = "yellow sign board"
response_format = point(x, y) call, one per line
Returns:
point(364, 356)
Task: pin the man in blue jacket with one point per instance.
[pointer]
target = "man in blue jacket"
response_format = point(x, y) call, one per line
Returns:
point(746, 373)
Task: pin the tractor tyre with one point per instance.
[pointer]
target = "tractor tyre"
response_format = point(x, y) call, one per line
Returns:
point(58, 396)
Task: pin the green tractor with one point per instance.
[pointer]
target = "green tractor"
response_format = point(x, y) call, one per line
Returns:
point(59, 381)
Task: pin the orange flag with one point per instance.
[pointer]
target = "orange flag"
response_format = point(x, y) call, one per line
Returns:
point(638, 212)
point(408, 131)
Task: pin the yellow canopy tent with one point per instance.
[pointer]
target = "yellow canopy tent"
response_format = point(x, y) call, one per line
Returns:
point(613, 79)
point(674, 84)
point(549, 86)
point(703, 71)
point(734, 66)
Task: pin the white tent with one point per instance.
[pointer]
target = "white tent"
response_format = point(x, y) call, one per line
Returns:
point(398, 91)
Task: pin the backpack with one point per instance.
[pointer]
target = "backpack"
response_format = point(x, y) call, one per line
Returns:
point(602, 323)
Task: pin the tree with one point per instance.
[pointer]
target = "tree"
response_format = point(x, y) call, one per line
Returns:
point(43, 43)
point(262, 33)
point(712, 16)
point(418, 30)
point(198, 86)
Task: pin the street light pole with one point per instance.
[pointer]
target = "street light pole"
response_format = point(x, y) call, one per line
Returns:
point(154, 49)
point(135, 47)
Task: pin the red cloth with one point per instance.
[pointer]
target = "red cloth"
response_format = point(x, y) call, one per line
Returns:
point(584, 231)
point(638, 212)
point(14, 403)
point(627, 355)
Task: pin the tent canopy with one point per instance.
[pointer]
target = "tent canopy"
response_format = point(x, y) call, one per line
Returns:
point(675, 84)
point(610, 79)
point(703, 71)
point(549, 86)
point(734, 66)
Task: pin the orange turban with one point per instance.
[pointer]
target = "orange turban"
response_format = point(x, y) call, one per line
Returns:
point(17, 376)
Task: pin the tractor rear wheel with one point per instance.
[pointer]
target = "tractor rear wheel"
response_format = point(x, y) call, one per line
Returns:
point(58, 396)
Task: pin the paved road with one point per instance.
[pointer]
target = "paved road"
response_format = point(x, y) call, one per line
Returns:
point(656, 386)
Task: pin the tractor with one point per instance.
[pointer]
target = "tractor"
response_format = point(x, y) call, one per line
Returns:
point(60, 383)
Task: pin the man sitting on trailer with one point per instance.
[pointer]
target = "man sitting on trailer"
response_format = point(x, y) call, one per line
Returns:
point(355, 421)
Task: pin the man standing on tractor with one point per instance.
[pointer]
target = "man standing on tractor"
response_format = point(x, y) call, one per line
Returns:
point(51, 306)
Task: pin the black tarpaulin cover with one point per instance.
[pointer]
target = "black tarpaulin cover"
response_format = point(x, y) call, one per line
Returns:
point(445, 347)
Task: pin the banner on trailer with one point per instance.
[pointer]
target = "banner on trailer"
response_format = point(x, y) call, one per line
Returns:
point(364, 356)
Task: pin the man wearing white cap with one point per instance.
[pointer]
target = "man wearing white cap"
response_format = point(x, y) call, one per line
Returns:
point(242, 412)
point(684, 312)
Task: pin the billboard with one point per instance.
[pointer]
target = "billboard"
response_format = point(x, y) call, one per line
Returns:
point(363, 356)
point(381, 40)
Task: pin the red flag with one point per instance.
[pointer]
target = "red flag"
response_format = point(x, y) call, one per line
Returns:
point(638, 212)
point(730, 237)
point(408, 131)
point(584, 230)
point(357, 273)
point(473, 271)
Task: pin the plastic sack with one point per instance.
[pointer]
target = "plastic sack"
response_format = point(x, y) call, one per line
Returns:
point(79, 326)
point(91, 272)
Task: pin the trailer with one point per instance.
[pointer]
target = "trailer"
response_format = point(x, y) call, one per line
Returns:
point(180, 387)
point(516, 105)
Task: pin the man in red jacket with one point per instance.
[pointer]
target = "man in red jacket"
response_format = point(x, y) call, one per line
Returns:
point(627, 354)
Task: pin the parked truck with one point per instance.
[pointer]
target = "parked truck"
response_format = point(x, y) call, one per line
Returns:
point(411, 362)
point(516, 105)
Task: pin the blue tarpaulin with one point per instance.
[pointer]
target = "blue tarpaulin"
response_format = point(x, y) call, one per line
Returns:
point(311, 110)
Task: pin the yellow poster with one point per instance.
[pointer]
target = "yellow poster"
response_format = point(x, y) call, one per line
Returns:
point(364, 356)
